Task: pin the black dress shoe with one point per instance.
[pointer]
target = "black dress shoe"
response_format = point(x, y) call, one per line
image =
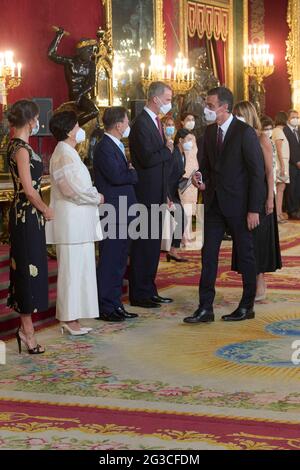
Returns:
point(112, 317)
point(161, 300)
point(201, 316)
point(240, 314)
point(122, 312)
point(146, 303)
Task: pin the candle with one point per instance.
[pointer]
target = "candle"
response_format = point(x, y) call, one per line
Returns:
point(271, 59)
point(193, 73)
point(169, 72)
point(143, 70)
point(150, 73)
point(13, 69)
point(19, 66)
point(0, 70)
point(130, 72)
point(175, 73)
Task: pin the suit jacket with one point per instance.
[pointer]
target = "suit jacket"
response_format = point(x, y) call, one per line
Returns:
point(112, 176)
point(294, 146)
point(237, 175)
point(150, 157)
point(176, 172)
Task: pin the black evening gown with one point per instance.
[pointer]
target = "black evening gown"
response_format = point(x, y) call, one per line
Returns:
point(28, 290)
point(266, 245)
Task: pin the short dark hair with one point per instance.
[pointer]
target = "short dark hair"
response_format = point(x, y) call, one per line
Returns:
point(22, 112)
point(113, 115)
point(185, 114)
point(181, 134)
point(266, 121)
point(62, 123)
point(224, 95)
point(281, 118)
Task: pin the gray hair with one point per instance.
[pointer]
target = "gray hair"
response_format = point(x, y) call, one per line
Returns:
point(157, 89)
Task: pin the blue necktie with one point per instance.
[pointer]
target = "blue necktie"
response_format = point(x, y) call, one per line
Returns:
point(122, 147)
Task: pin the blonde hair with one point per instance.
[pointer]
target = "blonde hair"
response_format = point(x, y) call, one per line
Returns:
point(248, 111)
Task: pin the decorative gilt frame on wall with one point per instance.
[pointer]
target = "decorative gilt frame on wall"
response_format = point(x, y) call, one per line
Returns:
point(293, 51)
point(159, 26)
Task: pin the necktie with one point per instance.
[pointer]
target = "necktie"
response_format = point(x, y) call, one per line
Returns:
point(122, 147)
point(159, 127)
point(219, 141)
point(296, 134)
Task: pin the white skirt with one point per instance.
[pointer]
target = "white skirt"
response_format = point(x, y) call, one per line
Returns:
point(77, 295)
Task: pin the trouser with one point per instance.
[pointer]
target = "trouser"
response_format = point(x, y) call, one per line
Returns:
point(215, 224)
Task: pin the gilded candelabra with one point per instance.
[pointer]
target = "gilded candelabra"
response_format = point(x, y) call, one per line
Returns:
point(258, 64)
point(180, 78)
point(10, 74)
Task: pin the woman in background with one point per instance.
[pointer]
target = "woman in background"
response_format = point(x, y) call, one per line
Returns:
point(28, 290)
point(190, 196)
point(265, 236)
point(283, 156)
point(75, 227)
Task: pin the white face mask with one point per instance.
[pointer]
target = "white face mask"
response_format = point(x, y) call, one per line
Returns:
point(210, 115)
point(294, 122)
point(268, 133)
point(241, 118)
point(170, 130)
point(36, 129)
point(187, 146)
point(126, 132)
point(165, 108)
point(190, 125)
point(80, 136)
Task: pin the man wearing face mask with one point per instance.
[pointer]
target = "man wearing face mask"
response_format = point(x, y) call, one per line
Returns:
point(116, 177)
point(234, 194)
point(151, 153)
point(292, 193)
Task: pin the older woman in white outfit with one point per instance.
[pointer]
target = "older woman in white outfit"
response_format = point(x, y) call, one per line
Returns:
point(75, 227)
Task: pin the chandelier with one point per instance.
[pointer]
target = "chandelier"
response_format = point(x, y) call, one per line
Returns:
point(258, 62)
point(180, 78)
point(10, 74)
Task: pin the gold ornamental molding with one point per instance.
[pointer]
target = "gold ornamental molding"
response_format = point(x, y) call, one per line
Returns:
point(213, 18)
point(293, 50)
point(207, 19)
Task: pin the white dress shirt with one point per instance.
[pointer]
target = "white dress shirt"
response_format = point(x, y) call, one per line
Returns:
point(226, 125)
point(152, 115)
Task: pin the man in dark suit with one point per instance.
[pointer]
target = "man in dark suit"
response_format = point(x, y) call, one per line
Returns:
point(234, 195)
point(116, 177)
point(292, 192)
point(150, 154)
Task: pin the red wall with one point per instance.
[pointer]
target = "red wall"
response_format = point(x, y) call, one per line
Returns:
point(25, 27)
point(278, 92)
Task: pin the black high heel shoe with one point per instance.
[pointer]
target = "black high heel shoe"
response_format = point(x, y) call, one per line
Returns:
point(174, 258)
point(36, 350)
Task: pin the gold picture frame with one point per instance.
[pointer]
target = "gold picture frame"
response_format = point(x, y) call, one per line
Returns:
point(159, 29)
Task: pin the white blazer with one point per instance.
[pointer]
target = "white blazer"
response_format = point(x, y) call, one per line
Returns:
point(73, 198)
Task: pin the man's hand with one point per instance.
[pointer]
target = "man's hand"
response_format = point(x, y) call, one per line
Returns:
point(197, 181)
point(252, 220)
point(130, 166)
point(298, 165)
point(170, 145)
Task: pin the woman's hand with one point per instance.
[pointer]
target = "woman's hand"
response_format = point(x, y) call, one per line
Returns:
point(269, 205)
point(101, 198)
point(48, 213)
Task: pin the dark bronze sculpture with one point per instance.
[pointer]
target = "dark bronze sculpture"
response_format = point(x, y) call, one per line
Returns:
point(80, 73)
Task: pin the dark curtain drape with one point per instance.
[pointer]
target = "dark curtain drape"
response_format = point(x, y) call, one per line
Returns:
point(216, 54)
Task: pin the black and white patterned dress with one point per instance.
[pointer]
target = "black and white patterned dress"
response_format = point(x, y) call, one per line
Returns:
point(28, 290)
